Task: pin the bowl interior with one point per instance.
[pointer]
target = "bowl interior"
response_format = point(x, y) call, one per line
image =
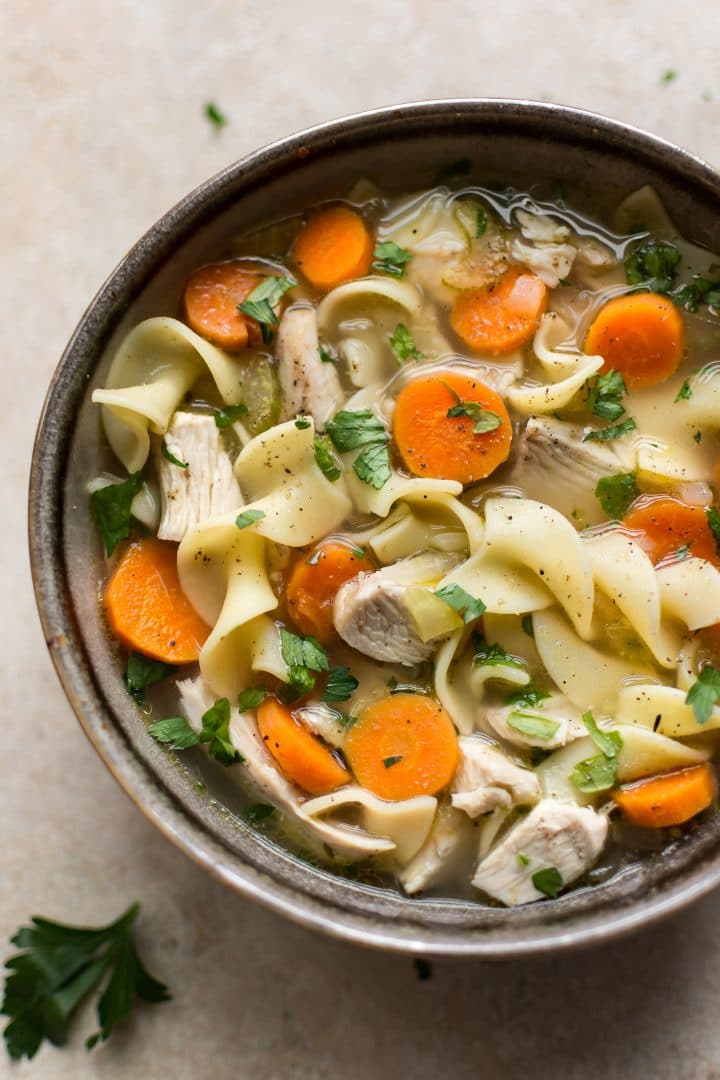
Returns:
point(195, 803)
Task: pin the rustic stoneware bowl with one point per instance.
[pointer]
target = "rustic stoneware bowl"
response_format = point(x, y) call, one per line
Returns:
point(194, 806)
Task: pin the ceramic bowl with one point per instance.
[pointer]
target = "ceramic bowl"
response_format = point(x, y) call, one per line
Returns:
point(402, 148)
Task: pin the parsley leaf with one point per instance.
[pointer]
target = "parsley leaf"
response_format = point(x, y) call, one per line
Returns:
point(216, 733)
point(684, 392)
point(548, 881)
point(704, 694)
point(58, 967)
point(227, 416)
point(175, 732)
point(325, 457)
point(249, 517)
point(341, 684)
point(257, 812)
point(326, 356)
point(615, 431)
point(302, 423)
point(111, 507)
point(604, 394)
point(609, 742)
point(303, 655)
point(372, 465)
point(252, 698)
point(494, 656)
point(529, 696)
point(390, 259)
point(713, 520)
point(527, 624)
point(142, 672)
point(654, 266)
point(388, 762)
point(483, 420)
point(349, 430)
point(171, 457)
point(261, 301)
point(403, 346)
point(466, 605)
point(481, 223)
point(616, 493)
point(594, 774)
point(213, 113)
point(699, 290)
point(535, 727)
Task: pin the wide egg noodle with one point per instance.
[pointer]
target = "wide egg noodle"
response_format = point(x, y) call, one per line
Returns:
point(690, 592)
point(663, 709)
point(568, 371)
point(152, 370)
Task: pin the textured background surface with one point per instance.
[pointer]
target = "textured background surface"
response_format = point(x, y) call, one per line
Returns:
point(101, 131)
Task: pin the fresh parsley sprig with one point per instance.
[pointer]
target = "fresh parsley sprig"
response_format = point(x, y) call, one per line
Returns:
point(616, 493)
point(228, 415)
point(713, 520)
point(111, 506)
point(653, 266)
point(704, 694)
point(482, 419)
point(470, 607)
point(142, 672)
point(613, 431)
point(57, 968)
point(176, 733)
point(261, 301)
point(403, 346)
point(389, 258)
point(350, 430)
point(340, 686)
point(167, 453)
point(325, 458)
point(604, 393)
point(304, 656)
point(599, 773)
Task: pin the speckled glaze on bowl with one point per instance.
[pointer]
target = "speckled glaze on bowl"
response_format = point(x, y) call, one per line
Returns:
point(400, 147)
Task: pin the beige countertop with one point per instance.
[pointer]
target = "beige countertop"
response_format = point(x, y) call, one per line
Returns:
point(101, 131)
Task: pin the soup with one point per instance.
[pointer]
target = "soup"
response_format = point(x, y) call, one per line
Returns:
point(417, 536)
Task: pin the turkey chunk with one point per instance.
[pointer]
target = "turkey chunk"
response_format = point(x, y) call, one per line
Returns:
point(551, 262)
point(206, 488)
point(487, 780)
point(308, 384)
point(440, 856)
point(554, 835)
point(540, 228)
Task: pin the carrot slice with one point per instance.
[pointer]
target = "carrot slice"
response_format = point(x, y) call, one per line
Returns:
point(500, 317)
point(314, 582)
point(146, 608)
point(301, 756)
point(641, 335)
point(334, 246)
point(401, 746)
point(669, 799)
point(665, 525)
point(431, 443)
point(211, 299)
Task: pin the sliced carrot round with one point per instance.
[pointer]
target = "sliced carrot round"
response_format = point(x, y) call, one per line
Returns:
point(146, 607)
point(500, 317)
point(211, 299)
point(665, 526)
point(433, 444)
point(314, 581)
point(301, 756)
point(402, 746)
point(334, 246)
point(670, 799)
point(641, 335)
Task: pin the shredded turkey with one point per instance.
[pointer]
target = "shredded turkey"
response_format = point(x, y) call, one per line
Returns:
point(437, 859)
point(308, 384)
point(541, 228)
point(555, 836)
point(202, 486)
point(551, 262)
point(486, 780)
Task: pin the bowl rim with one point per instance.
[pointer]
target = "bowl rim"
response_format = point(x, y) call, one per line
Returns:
point(53, 596)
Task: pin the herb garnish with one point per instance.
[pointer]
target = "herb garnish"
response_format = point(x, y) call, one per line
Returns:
point(548, 881)
point(466, 605)
point(227, 416)
point(326, 356)
point(616, 493)
point(111, 507)
point(529, 696)
point(261, 301)
point(302, 423)
point(704, 694)
point(249, 517)
point(303, 656)
point(372, 465)
point(175, 732)
point(523, 859)
point(391, 259)
point(481, 223)
point(171, 457)
point(699, 290)
point(614, 431)
point(600, 772)
point(252, 698)
point(653, 266)
point(713, 520)
point(388, 762)
point(257, 812)
point(494, 656)
point(58, 967)
point(527, 624)
point(402, 344)
point(325, 458)
point(213, 113)
point(604, 394)
point(533, 726)
point(350, 430)
point(142, 672)
point(215, 732)
point(483, 420)
point(341, 685)
point(684, 392)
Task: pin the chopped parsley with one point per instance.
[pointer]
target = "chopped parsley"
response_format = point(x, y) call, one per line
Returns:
point(171, 457)
point(325, 458)
point(682, 552)
point(604, 394)
point(466, 605)
point(684, 392)
point(303, 656)
point(257, 812)
point(58, 967)
point(527, 624)
point(340, 686)
point(533, 726)
point(261, 301)
point(653, 266)
point(598, 773)
point(548, 881)
point(616, 493)
point(142, 672)
point(249, 517)
point(609, 742)
point(252, 698)
point(388, 762)
point(326, 356)
point(349, 430)
point(495, 656)
point(614, 431)
point(529, 696)
point(175, 732)
point(389, 258)
point(713, 520)
point(227, 416)
point(704, 694)
point(482, 419)
point(523, 859)
point(302, 423)
point(111, 507)
point(481, 223)
point(700, 290)
point(402, 344)
point(372, 465)
point(217, 118)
